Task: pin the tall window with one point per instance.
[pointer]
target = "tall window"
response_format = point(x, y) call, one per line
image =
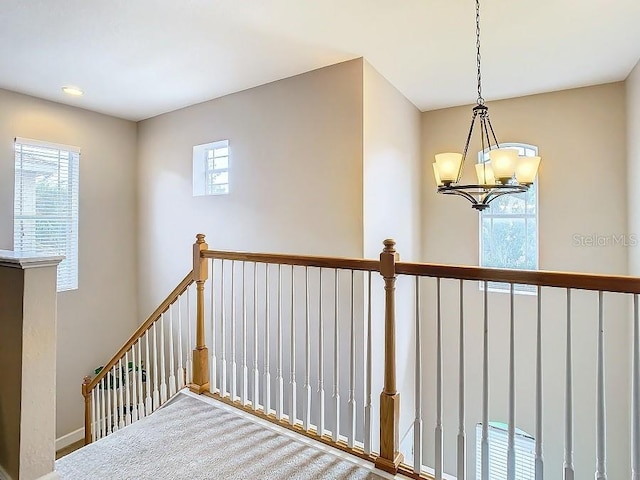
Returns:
point(46, 204)
point(509, 227)
point(211, 168)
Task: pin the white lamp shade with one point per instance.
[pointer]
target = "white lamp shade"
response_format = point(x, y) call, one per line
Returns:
point(448, 166)
point(485, 174)
point(436, 175)
point(527, 169)
point(503, 161)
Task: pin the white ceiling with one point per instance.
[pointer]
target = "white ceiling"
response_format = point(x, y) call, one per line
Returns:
point(139, 58)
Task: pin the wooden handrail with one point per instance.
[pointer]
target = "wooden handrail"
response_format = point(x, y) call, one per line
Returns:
point(164, 306)
point(543, 278)
point(302, 260)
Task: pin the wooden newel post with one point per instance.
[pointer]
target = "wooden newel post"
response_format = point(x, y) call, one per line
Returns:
point(200, 382)
point(88, 424)
point(390, 456)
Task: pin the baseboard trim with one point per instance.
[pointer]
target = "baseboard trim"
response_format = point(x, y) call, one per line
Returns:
point(50, 476)
point(69, 438)
point(3, 474)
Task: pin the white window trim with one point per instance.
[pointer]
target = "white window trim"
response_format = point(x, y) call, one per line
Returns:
point(518, 289)
point(201, 170)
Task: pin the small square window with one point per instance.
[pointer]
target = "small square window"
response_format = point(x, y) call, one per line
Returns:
point(211, 168)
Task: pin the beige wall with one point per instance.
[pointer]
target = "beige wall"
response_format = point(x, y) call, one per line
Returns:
point(633, 147)
point(11, 295)
point(391, 210)
point(38, 404)
point(296, 175)
point(581, 137)
point(95, 319)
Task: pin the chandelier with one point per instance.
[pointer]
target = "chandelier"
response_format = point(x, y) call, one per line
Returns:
point(504, 173)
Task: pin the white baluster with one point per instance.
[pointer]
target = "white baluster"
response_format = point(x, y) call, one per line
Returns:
point(439, 460)
point(108, 403)
point(163, 378)
point(417, 424)
point(127, 390)
point(94, 414)
point(462, 443)
point(156, 391)
point(233, 334)
point(511, 441)
point(267, 329)
point(306, 421)
point(122, 409)
point(134, 386)
point(484, 445)
point(181, 362)
point(115, 411)
point(148, 402)
point(114, 394)
point(190, 340)
point(245, 370)
point(172, 361)
point(256, 373)
point(279, 379)
point(635, 394)
point(352, 371)
point(98, 410)
point(320, 360)
point(336, 363)
point(539, 456)
point(213, 374)
point(568, 468)
point(601, 425)
point(367, 394)
point(103, 415)
point(292, 358)
point(223, 337)
point(141, 366)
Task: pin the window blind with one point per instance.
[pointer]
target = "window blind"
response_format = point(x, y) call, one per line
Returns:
point(498, 444)
point(46, 204)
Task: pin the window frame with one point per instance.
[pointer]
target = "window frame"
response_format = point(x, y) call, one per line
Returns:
point(68, 243)
point(209, 172)
point(204, 169)
point(521, 289)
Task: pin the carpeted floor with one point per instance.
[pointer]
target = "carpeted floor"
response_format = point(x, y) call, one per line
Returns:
point(192, 439)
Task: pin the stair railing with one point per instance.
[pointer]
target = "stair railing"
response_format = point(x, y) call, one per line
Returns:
point(256, 300)
point(149, 368)
point(273, 312)
point(457, 302)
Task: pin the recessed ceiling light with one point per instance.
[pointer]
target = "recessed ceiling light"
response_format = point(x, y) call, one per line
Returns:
point(75, 91)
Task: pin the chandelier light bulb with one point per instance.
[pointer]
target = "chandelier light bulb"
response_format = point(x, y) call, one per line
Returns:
point(485, 174)
point(504, 162)
point(448, 166)
point(527, 169)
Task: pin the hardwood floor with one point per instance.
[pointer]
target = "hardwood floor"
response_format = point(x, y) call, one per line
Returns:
point(71, 448)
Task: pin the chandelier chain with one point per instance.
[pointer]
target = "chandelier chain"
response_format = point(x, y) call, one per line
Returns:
point(480, 97)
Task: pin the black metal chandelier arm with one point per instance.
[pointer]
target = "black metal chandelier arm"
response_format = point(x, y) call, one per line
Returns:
point(492, 132)
point(495, 193)
point(466, 144)
point(461, 193)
